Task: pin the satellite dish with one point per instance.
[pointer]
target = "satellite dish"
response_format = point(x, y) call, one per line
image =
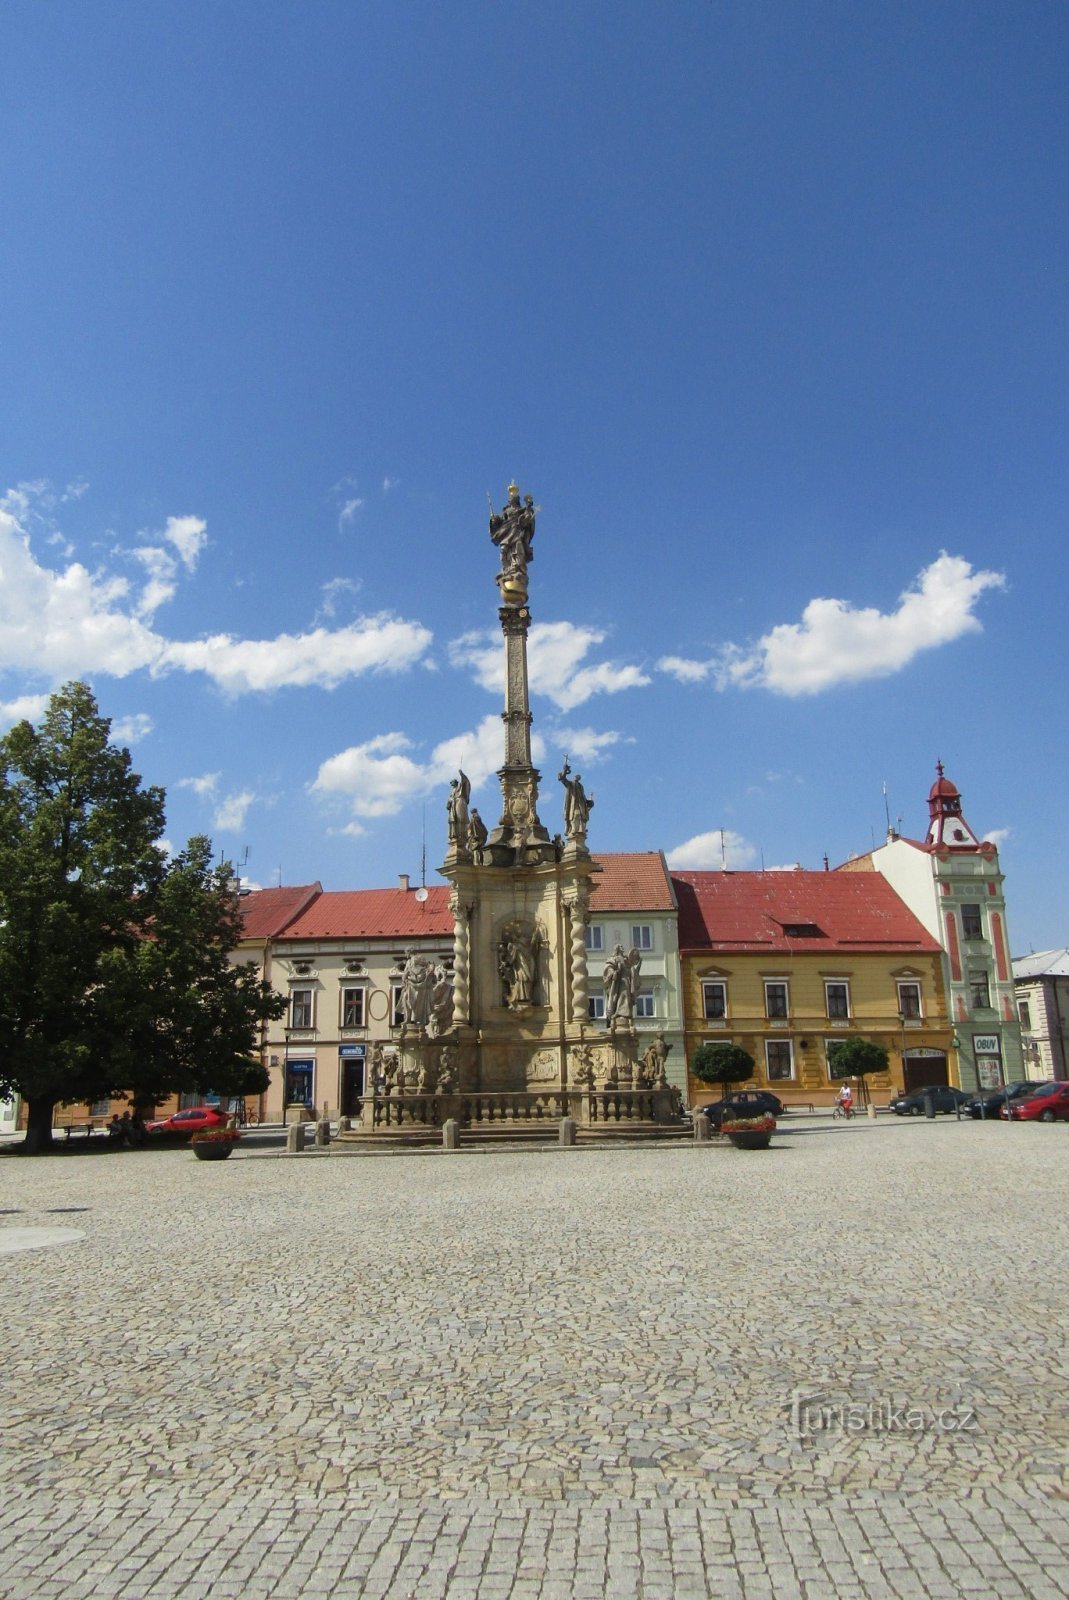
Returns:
point(421, 895)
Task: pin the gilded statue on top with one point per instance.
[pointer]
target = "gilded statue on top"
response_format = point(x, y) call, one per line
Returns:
point(512, 530)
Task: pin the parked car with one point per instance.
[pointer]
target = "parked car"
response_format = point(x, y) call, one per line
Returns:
point(183, 1124)
point(988, 1102)
point(1048, 1103)
point(913, 1104)
point(743, 1103)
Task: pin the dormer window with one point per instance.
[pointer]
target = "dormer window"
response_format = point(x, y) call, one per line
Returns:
point(802, 930)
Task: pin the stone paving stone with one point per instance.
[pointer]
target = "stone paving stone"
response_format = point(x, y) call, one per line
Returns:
point(538, 1378)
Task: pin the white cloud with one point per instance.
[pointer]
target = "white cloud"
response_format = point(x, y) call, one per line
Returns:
point(711, 851)
point(70, 623)
point(204, 785)
point(230, 812)
point(381, 775)
point(998, 836)
point(389, 483)
point(835, 643)
point(27, 708)
point(323, 658)
point(685, 670)
point(555, 652)
point(332, 591)
point(585, 744)
point(348, 510)
point(188, 535)
point(128, 730)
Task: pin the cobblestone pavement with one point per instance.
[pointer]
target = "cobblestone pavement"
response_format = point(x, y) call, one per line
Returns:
point(835, 1368)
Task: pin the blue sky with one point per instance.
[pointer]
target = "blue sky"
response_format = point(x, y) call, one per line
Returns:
point(766, 306)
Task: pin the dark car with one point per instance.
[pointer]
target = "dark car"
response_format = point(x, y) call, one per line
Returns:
point(743, 1103)
point(944, 1099)
point(989, 1102)
point(183, 1124)
point(1048, 1103)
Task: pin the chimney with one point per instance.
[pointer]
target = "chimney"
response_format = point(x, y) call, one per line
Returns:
point(402, 879)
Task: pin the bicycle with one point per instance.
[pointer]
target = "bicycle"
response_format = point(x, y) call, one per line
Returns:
point(847, 1113)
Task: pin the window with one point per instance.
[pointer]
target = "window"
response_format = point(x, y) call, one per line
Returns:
point(642, 936)
point(100, 1108)
point(779, 1059)
point(970, 922)
point(1025, 1014)
point(300, 1008)
point(909, 1001)
point(775, 999)
point(837, 999)
point(595, 937)
point(802, 930)
point(352, 1008)
point(714, 1000)
point(596, 1007)
point(978, 990)
point(397, 1006)
point(644, 1003)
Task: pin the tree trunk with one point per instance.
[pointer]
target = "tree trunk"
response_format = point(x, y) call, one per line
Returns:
point(39, 1126)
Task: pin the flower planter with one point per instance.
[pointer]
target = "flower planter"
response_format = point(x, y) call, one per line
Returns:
point(750, 1139)
point(751, 1133)
point(217, 1150)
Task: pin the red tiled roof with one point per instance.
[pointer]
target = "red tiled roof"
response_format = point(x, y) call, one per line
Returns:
point(755, 910)
point(375, 914)
point(635, 881)
point(265, 912)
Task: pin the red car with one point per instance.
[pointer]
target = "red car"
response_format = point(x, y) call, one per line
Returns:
point(1048, 1103)
point(184, 1123)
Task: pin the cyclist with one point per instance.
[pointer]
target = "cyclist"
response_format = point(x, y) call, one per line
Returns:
point(845, 1100)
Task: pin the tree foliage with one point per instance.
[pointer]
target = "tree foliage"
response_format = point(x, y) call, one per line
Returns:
point(856, 1058)
point(724, 1064)
point(113, 963)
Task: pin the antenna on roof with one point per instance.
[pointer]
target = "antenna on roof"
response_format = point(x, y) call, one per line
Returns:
point(279, 876)
point(723, 853)
point(423, 853)
point(886, 807)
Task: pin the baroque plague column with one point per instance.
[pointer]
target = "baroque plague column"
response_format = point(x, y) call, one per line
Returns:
point(517, 1040)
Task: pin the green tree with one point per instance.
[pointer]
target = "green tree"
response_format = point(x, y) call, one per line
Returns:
point(856, 1058)
point(115, 975)
point(724, 1064)
point(79, 870)
point(185, 1017)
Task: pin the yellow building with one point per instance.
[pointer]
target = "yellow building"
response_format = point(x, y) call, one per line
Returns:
point(786, 963)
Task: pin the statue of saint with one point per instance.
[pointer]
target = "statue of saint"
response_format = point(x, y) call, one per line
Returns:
point(620, 976)
point(417, 990)
point(517, 964)
point(476, 831)
point(442, 1000)
point(512, 530)
point(654, 1062)
point(457, 810)
point(577, 803)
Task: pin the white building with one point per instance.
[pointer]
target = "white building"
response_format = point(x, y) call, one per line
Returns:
point(952, 882)
point(1042, 983)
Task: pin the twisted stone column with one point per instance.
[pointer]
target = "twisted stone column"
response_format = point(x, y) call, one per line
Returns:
point(461, 968)
point(577, 912)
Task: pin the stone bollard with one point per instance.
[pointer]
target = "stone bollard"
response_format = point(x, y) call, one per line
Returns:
point(701, 1126)
point(450, 1134)
point(870, 1112)
point(323, 1132)
point(295, 1138)
point(929, 1106)
point(567, 1130)
point(344, 1124)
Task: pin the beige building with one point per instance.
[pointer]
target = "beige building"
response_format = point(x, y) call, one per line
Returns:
point(1042, 984)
